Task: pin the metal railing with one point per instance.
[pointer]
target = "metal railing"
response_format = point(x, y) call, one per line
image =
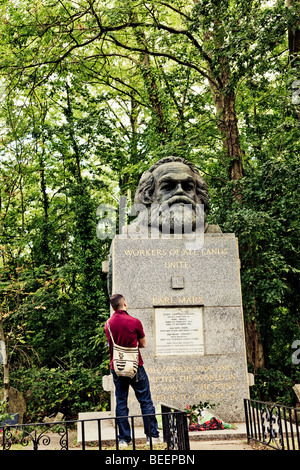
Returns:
point(271, 424)
point(39, 435)
point(175, 429)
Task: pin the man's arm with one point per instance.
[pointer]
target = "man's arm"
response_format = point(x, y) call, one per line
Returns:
point(142, 342)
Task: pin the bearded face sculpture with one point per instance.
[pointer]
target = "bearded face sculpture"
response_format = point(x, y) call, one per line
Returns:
point(173, 198)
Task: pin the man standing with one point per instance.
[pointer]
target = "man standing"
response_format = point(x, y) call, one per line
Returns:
point(128, 331)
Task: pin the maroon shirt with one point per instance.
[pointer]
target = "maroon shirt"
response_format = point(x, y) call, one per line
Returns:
point(126, 331)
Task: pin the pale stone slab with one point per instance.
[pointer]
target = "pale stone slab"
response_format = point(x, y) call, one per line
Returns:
point(296, 389)
point(91, 425)
point(108, 383)
point(105, 266)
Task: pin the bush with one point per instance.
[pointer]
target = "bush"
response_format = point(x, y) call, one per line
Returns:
point(273, 386)
point(49, 391)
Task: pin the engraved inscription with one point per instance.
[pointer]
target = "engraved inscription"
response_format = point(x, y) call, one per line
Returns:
point(179, 332)
point(176, 252)
point(178, 300)
point(193, 383)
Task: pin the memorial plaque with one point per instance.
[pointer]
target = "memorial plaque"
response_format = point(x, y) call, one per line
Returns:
point(179, 331)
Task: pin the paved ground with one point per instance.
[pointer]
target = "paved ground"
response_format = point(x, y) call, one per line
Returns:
point(230, 444)
point(225, 439)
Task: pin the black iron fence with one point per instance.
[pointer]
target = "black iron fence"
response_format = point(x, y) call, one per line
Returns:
point(271, 424)
point(41, 435)
point(175, 429)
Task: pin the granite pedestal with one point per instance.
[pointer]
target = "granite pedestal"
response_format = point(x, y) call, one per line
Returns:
point(189, 302)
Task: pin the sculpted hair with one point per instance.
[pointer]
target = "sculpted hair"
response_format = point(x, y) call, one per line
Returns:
point(116, 301)
point(146, 187)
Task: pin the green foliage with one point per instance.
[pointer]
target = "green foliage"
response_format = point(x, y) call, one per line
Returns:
point(274, 386)
point(67, 390)
point(195, 410)
point(3, 411)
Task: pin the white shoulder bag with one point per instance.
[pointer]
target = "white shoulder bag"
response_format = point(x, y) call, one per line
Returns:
point(125, 360)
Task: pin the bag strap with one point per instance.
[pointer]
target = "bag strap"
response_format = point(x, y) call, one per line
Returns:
point(110, 332)
point(112, 335)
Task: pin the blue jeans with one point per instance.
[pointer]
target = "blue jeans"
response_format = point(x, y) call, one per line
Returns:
point(140, 385)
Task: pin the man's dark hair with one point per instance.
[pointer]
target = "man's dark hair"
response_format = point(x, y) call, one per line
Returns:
point(116, 301)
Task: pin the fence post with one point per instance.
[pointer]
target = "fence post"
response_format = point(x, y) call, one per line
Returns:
point(175, 429)
point(247, 419)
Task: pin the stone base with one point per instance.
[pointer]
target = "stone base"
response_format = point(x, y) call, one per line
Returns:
point(189, 302)
point(91, 427)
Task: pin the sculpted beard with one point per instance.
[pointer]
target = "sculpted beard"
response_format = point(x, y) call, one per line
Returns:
point(178, 215)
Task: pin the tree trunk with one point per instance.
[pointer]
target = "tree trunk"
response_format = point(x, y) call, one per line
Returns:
point(134, 130)
point(154, 98)
point(294, 49)
point(70, 119)
point(254, 346)
point(45, 240)
point(228, 127)
point(5, 364)
point(233, 148)
point(294, 40)
point(151, 86)
point(294, 45)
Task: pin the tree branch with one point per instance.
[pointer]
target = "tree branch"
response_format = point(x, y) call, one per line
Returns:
point(187, 34)
point(168, 56)
point(176, 10)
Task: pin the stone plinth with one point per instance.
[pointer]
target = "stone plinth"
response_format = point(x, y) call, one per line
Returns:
point(91, 425)
point(189, 302)
point(296, 389)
